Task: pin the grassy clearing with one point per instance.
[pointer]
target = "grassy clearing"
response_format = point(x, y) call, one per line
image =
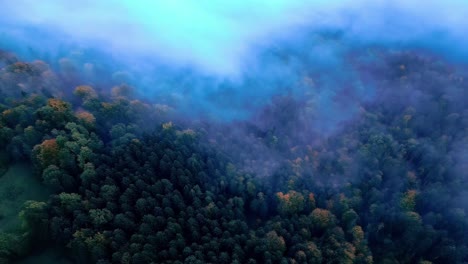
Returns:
point(18, 185)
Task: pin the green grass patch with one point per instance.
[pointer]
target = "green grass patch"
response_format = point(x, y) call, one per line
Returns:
point(17, 186)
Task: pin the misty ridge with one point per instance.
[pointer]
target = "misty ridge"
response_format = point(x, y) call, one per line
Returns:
point(233, 132)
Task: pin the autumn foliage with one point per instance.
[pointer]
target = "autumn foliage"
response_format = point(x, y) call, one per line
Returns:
point(47, 152)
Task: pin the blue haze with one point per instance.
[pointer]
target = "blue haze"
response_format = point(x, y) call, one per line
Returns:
point(226, 59)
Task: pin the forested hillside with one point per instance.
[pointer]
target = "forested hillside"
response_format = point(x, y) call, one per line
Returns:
point(134, 181)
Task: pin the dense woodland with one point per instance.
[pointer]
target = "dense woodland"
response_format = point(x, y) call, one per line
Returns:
point(131, 181)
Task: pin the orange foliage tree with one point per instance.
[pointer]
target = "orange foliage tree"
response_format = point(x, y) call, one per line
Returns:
point(86, 117)
point(46, 153)
point(290, 203)
point(85, 92)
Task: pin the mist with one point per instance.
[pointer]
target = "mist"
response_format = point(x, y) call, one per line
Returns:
point(224, 48)
point(219, 37)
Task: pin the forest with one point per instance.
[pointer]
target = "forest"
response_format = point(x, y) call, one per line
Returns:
point(101, 174)
point(245, 131)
